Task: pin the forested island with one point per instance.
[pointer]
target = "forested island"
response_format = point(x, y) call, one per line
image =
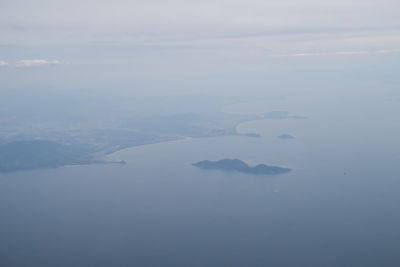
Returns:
point(240, 166)
point(286, 137)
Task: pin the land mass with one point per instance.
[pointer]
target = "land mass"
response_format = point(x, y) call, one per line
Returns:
point(286, 136)
point(250, 135)
point(52, 147)
point(52, 150)
point(35, 154)
point(240, 166)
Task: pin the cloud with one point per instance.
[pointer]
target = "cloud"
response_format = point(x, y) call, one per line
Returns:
point(36, 63)
point(341, 53)
point(220, 35)
point(3, 63)
point(136, 21)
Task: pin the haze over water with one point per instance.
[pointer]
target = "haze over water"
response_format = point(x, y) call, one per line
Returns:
point(310, 86)
point(338, 207)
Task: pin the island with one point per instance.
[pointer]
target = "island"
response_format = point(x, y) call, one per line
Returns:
point(286, 137)
point(240, 166)
point(250, 135)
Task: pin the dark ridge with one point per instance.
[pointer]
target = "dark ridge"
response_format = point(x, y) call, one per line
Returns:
point(240, 166)
point(286, 136)
point(250, 135)
point(35, 154)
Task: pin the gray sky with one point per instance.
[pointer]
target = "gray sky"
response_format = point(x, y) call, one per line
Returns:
point(161, 38)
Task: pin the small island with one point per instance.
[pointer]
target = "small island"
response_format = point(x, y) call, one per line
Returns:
point(255, 135)
point(240, 166)
point(286, 137)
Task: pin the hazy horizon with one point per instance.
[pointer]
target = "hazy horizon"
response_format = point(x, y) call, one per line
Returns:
point(199, 133)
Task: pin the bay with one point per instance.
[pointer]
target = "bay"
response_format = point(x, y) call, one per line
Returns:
point(338, 206)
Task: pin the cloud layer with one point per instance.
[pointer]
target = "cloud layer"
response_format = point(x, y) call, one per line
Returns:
point(342, 53)
point(29, 63)
point(36, 63)
point(155, 21)
point(207, 35)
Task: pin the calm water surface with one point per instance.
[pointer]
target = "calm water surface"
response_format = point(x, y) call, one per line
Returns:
point(338, 207)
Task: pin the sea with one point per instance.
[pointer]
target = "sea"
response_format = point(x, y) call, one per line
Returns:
point(339, 206)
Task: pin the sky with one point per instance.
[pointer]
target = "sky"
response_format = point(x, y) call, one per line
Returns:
point(83, 41)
